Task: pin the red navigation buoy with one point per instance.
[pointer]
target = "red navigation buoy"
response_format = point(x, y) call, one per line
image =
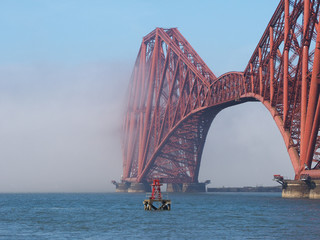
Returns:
point(156, 196)
point(156, 190)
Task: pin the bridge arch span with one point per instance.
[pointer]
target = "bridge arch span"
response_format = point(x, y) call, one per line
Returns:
point(241, 91)
point(173, 96)
point(191, 132)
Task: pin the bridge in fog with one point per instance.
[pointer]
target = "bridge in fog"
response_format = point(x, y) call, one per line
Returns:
point(174, 97)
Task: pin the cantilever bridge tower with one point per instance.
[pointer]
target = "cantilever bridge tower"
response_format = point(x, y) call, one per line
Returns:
point(174, 97)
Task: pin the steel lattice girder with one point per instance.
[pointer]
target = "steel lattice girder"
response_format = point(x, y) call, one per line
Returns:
point(174, 96)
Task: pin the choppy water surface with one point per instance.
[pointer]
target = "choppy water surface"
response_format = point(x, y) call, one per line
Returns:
point(193, 216)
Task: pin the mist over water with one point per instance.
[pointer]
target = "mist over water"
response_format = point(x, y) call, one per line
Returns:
point(60, 126)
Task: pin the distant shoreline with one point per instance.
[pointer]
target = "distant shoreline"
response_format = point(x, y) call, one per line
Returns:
point(246, 189)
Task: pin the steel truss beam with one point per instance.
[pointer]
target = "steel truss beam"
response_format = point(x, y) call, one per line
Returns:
point(173, 96)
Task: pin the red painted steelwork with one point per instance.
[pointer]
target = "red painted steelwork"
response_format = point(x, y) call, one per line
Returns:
point(156, 190)
point(174, 96)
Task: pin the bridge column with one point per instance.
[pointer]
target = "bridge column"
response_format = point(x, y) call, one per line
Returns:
point(271, 65)
point(251, 78)
point(285, 61)
point(305, 58)
point(313, 109)
point(260, 72)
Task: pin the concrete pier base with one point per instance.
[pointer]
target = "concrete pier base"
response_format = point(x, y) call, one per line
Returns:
point(315, 190)
point(186, 187)
point(122, 187)
point(171, 187)
point(301, 189)
point(139, 187)
point(194, 187)
point(174, 187)
point(295, 189)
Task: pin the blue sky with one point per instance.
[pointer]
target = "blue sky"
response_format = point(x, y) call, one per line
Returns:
point(77, 31)
point(64, 68)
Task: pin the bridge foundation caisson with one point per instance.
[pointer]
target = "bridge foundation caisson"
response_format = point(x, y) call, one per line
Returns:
point(187, 187)
point(174, 187)
point(301, 189)
point(171, 187)
point(315, 190)
point(295, 189)
point(305, 187)
point(121, 186)
point(194, 187)
point(124, 186)
point(139, 187)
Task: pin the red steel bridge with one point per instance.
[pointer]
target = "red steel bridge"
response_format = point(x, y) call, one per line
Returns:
point(174, 97)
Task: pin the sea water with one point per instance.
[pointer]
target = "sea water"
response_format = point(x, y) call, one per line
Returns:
point(193, 216)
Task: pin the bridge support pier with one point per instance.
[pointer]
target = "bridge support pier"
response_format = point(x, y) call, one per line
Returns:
point(301, 189)
point(194, 187)
point(122, 186)
point(315, 190)
point(186, 187)
point(139, 187)
point(174, 187)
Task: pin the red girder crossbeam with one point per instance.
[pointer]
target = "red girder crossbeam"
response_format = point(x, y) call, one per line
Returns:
point(174, 96)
